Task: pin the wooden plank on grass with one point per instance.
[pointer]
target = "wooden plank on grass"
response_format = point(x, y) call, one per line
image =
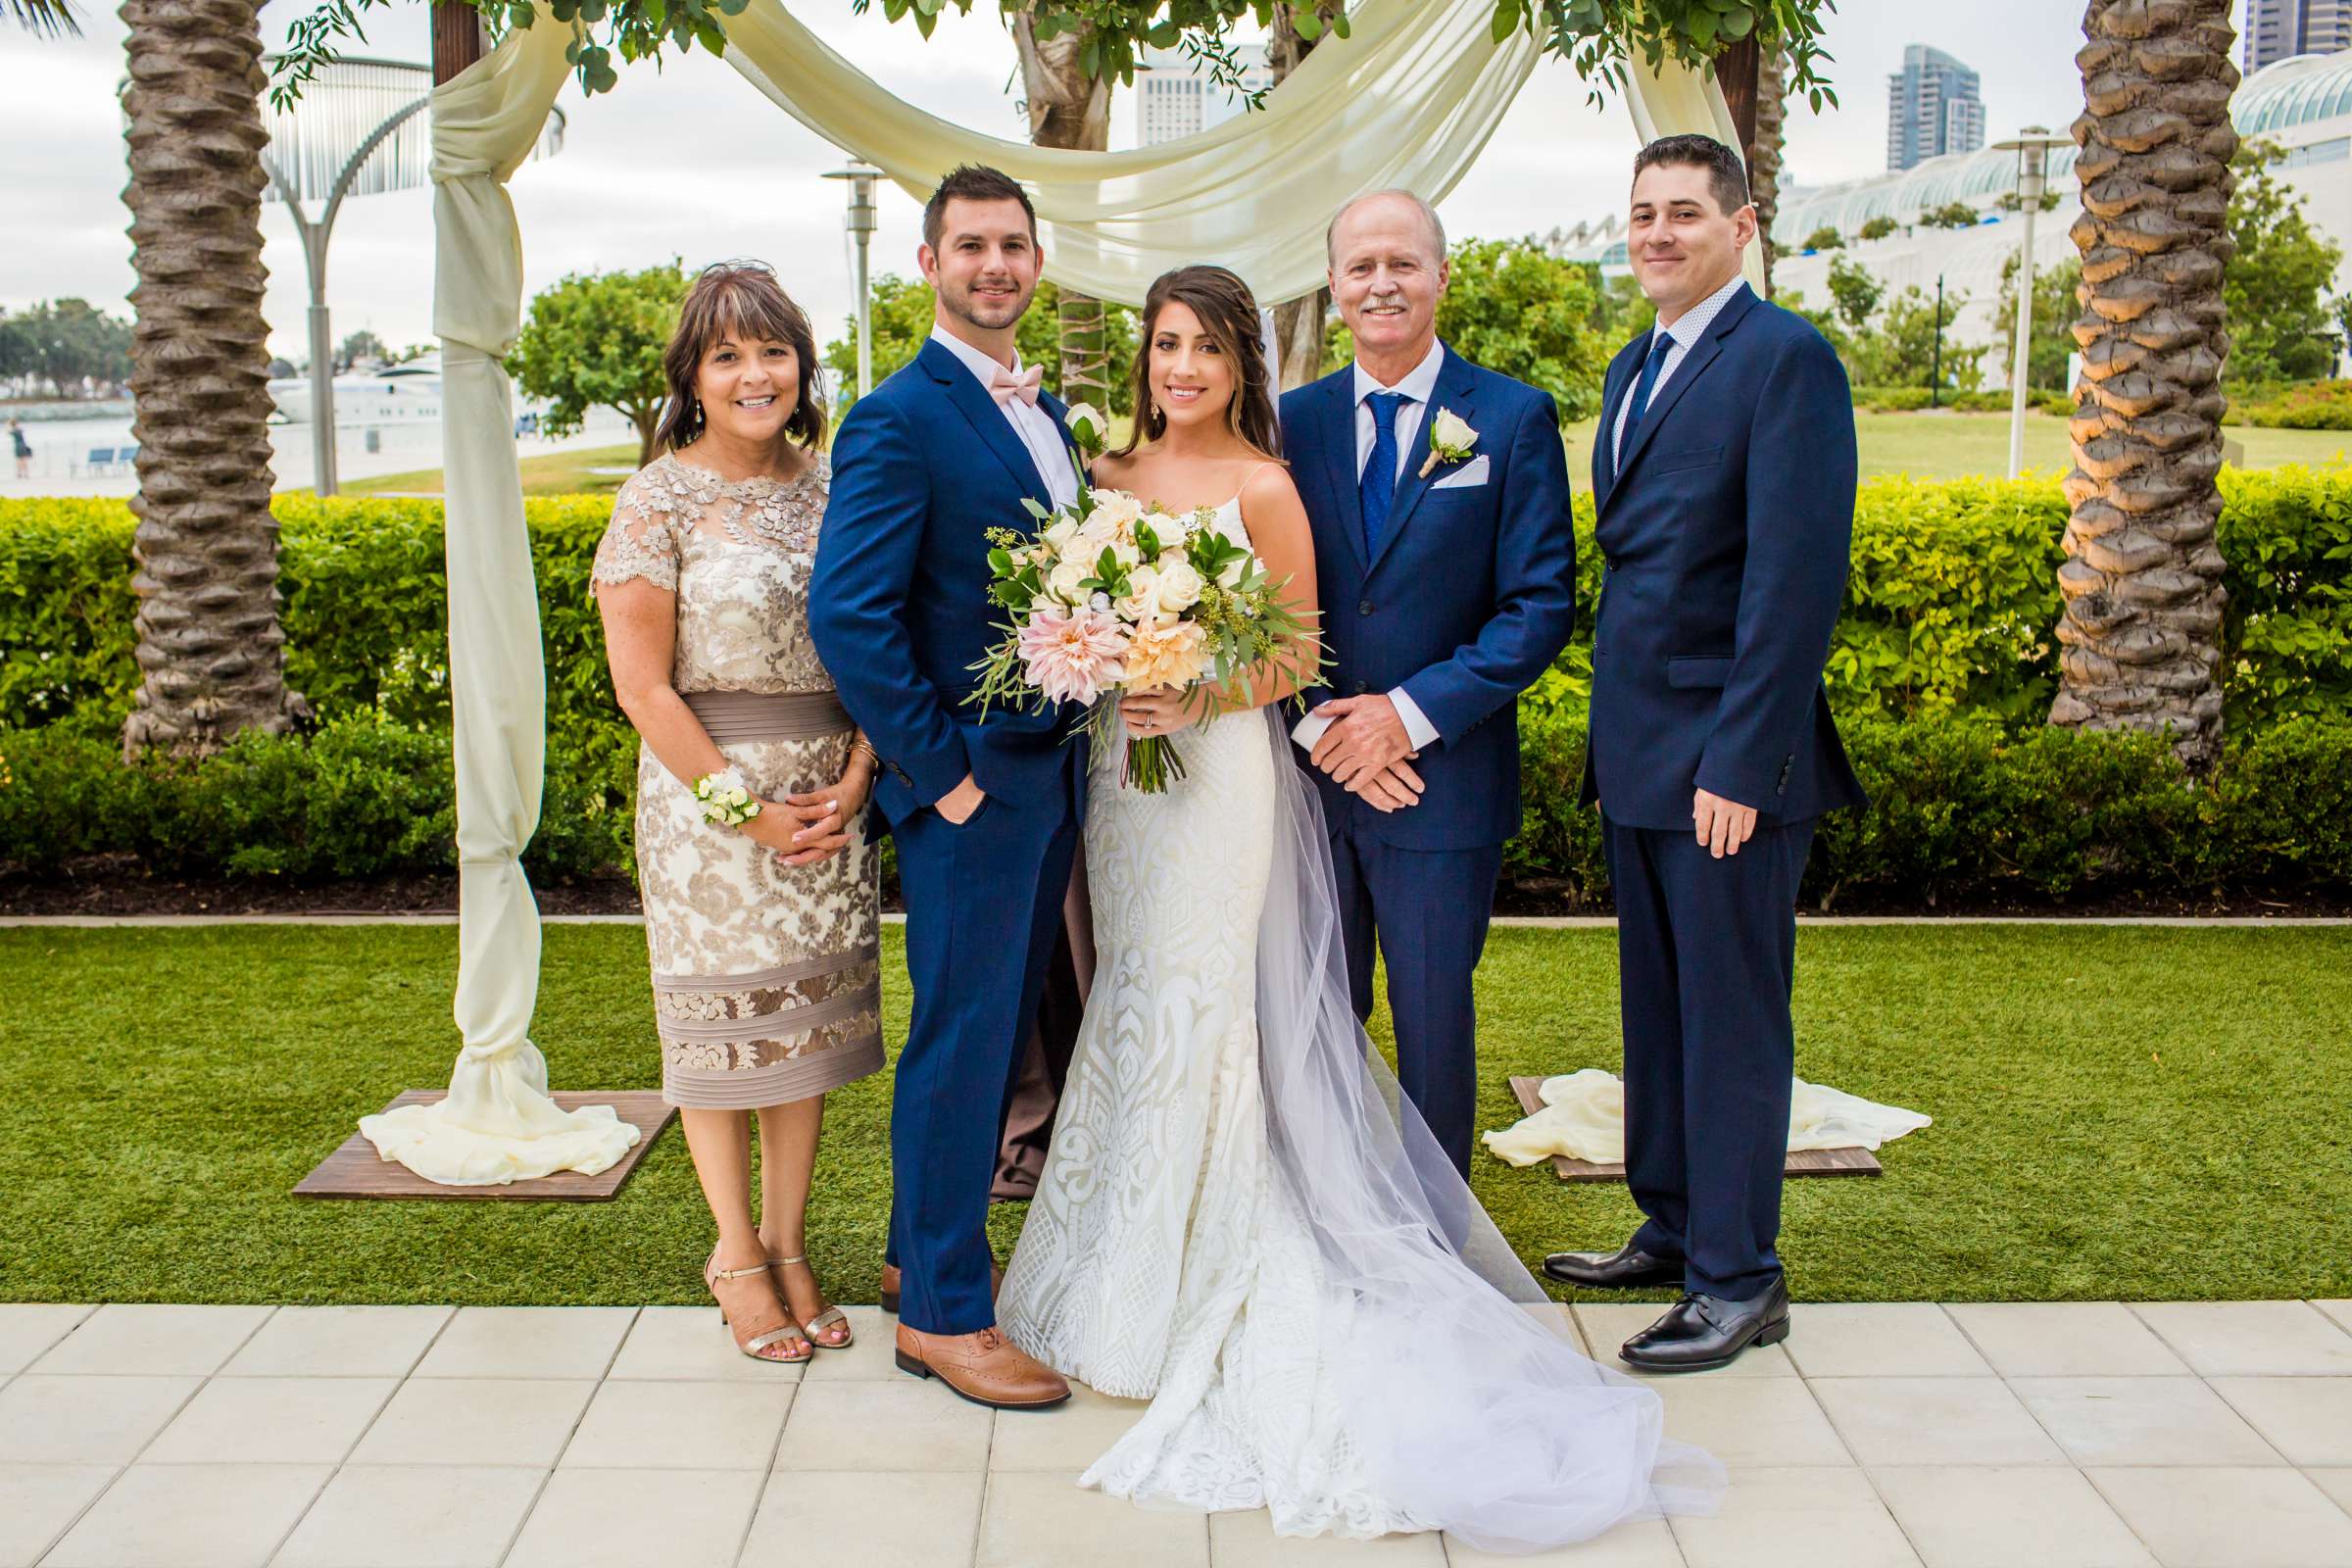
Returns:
point(1802, 1162)
point(356, 1171)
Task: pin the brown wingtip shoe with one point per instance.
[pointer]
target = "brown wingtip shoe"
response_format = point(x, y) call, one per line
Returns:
point(889, 1292)
point(986, 1368)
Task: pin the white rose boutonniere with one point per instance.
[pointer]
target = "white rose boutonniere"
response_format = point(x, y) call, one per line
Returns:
point(1087, 428)
point(1450, 440)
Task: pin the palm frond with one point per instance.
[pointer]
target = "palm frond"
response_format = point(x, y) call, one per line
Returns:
point(51, 17)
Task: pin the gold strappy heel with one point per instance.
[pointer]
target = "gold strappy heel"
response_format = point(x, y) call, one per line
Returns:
point(757, 1343)
point(823, 1321)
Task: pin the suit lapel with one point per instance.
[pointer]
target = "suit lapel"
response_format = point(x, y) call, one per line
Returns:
point(1452, 396)
point(1337, 414)
point(1685, 375)
point(988, 422)
point(1612, 397)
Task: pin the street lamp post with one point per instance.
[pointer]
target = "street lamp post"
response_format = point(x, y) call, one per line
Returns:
point(862, 177)
point(2033, 150)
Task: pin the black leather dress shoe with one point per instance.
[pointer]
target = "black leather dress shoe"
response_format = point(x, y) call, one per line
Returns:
point(1628, 1268)
point(1700, 1333)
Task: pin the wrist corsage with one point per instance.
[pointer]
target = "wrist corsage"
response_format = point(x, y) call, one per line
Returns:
point(726, 801)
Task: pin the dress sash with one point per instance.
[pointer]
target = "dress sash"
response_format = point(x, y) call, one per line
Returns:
point(736, 715)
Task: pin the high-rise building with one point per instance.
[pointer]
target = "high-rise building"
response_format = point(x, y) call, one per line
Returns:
point(1932, 108)
point(1174, 97)
point(2278, 29)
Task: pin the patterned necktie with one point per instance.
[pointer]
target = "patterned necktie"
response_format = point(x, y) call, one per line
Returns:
point(1638, 404)
point(1377, 489)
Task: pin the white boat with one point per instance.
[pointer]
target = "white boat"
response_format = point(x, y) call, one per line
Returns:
point(396, 394)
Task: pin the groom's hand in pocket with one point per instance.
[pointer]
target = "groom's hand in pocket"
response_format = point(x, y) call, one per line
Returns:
point(960, 802)
point(1391, 788)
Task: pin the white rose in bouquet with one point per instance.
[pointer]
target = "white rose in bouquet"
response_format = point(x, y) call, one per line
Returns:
point(1230, 575)
point(1064, 579)
point(1142, 602)
point(1180, 588)
point(1060, 532)
point(1086, 424)
point(1125, 553)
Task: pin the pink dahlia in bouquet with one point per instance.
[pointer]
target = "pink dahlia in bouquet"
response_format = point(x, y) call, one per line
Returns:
point(1112, 595)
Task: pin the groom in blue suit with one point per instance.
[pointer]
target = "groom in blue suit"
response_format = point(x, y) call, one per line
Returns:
point(1723, 476)
point(986, 814)
point(1445, 562)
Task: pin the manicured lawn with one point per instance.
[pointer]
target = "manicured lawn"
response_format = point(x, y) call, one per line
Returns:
point(550, 473)
point(2138, 1113)
point(1951, 446)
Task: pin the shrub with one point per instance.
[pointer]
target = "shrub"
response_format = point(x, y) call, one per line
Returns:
point(2305, 406)
point(1879, 228)
point(1913, 399)
point(1962, 812)
point(1826, 238)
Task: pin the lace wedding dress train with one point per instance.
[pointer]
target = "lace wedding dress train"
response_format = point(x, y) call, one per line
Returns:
point(1241, 1220)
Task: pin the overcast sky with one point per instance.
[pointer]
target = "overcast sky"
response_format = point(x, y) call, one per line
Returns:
point(690, 162)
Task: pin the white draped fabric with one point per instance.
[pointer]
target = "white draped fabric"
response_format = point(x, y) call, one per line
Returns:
point(1584, 1118)
point(1408, 100)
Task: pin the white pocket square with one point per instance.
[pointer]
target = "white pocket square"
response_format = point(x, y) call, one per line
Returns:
point(1472, 472)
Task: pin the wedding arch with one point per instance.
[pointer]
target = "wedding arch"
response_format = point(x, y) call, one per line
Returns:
point(1408, 99)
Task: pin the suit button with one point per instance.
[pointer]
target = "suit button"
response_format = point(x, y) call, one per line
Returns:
point(1360, 688)
point(1364, 609)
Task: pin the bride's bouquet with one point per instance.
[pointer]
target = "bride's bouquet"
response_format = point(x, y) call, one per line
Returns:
point(1111, 597)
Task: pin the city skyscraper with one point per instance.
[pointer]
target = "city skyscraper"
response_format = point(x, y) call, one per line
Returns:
point(1173, 100)
point(1932, 108)
point(2277, 29)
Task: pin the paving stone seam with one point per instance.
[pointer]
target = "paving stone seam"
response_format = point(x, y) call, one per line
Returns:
point(547, 1476)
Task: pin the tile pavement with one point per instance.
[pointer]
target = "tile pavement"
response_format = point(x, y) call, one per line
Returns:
point(2186, 1435)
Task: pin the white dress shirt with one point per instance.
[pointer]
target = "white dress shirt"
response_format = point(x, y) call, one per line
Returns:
point(1419, 385)
point(1032, 423)
point(1686, 333)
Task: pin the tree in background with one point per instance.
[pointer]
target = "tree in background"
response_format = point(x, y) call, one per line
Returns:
point(211, 653)
point(2143, 578)
point(361, 345)
point(1301, 325)
point(595, 340)
point(901, 320)
point(1856, 294)
point(67, 343)
point(1823, 238)
point(2052, 325)
point(1877, 228)
point(1951, 214)
point(2274, 293)
point(1521, 311)
point(1901, 347)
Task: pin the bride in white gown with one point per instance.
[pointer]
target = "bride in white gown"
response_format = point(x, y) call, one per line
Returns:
point(1240, 1218)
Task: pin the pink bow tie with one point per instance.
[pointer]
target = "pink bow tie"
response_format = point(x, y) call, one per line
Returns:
point(1004, 385)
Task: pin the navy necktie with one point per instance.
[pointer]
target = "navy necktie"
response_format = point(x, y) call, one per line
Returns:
point(1639, 405)
point(1377, 489)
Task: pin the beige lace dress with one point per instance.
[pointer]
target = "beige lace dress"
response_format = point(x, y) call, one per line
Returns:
point(766, 977)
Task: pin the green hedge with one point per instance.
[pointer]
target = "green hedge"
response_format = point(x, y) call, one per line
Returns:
point(1914, 398)
point(2300, 406)
point(1960, 810)
point(1963, 811)
point(1953, 594)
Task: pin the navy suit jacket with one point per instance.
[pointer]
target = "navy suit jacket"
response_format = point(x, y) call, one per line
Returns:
point(898, 606)
point(1727, 531)
point(1469, 599)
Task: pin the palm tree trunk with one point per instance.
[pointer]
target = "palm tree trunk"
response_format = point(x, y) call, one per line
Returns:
point(210, 649)
point(2143, 578)
point(1300, 324)
point(1069, 109)
point(1764, 147)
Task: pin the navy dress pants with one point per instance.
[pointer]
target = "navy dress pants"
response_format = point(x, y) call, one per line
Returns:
point(983, 907)
point(1426, 911)
point(1707, 953)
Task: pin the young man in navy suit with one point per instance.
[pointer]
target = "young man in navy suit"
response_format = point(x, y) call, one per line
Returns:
point(1448, 576)
point(1723, 476)
point(986, 815)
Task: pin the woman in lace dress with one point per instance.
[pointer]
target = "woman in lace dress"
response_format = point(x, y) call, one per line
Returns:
point(1240, 1218)
point(760, 912)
